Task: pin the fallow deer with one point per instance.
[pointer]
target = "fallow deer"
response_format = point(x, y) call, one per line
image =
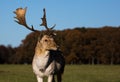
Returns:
point(48, 59)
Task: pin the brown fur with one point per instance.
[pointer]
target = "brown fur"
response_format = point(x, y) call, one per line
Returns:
point(48, 60)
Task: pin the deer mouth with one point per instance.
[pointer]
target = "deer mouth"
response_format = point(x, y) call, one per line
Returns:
point(48, 49)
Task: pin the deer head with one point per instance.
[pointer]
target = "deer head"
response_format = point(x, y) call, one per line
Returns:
point(46, 42)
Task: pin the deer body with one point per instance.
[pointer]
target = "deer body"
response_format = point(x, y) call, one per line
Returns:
point(45, 61)
point(48, 59)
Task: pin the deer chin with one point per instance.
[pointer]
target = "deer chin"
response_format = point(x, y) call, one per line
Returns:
point(48, 49)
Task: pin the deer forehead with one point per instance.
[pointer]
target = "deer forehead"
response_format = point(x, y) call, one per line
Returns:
point(46, 37)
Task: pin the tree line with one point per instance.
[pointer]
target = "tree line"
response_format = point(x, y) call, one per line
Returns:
point(79, 46)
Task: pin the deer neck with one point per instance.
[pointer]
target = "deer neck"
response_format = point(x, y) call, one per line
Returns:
point(41, 52)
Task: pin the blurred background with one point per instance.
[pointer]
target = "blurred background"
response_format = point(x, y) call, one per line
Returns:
point(87, 31)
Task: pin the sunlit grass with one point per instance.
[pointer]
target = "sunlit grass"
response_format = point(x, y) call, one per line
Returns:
point(73, 73)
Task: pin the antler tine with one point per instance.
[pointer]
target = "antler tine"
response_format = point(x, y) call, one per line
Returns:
point(20, 16)
point(44, 21)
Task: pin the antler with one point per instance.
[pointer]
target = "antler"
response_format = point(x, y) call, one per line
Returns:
point(20, 16)
point(44, 22)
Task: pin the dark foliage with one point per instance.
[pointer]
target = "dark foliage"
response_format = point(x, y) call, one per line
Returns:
point(79, 46)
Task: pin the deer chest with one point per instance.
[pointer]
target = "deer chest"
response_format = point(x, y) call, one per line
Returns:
point(41, 61)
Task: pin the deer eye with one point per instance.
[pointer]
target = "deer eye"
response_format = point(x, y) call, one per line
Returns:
point(45, 40)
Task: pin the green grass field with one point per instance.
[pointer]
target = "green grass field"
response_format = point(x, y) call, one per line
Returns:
point(73, 73)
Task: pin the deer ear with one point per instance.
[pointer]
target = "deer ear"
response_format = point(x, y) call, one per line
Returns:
point(54, 34)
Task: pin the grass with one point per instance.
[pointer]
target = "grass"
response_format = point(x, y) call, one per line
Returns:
point(89, 73)
point(73, 73)
point(16, 73)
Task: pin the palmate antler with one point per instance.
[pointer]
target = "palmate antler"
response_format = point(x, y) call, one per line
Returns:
point(20, 16)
